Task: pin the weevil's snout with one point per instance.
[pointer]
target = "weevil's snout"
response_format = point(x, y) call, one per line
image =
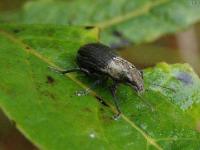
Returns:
point(140, 88)
point(136, 81)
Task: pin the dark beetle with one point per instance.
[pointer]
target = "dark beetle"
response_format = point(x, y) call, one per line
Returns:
point(96, 59)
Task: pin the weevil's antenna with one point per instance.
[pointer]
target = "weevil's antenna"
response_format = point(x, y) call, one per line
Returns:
point(171, 89)
point(146, 102)
point(167, 88)
point(147, 89)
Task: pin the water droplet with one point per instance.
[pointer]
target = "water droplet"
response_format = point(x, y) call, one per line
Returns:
point(143, 126)
point(175, 137)
point(116, 117)
point(186, 104)
point(92, 135)
point(81, 93)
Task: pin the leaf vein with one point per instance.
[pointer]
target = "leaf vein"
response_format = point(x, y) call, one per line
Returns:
point(133, 14)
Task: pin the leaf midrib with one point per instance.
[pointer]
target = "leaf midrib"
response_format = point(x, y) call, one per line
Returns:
point(32, 51)
point(133, 14)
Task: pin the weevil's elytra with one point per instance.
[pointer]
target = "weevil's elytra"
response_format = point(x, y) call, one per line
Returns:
point(96, 59)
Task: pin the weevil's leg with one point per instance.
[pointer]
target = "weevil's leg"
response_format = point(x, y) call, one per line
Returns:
point(86, 91)
point(70, 70)
point(142, 73)
point(76, 70)
point(113, 89)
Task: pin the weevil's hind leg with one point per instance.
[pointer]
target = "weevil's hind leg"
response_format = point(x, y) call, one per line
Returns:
point(70, 70)
point(113, 89)
point(87, 91)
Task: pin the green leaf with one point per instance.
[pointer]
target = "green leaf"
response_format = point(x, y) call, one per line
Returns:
point(139, 21)
point(45, 108)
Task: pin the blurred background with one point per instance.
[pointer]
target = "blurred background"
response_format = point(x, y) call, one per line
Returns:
point(180, 47)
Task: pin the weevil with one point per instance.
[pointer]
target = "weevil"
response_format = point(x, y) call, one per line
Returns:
point(100, 61)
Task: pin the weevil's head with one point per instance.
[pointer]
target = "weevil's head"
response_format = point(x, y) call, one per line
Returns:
point(124, 71)
point(135, 79)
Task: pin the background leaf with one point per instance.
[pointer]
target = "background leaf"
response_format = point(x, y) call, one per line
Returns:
point(46, 109)
point(139, 21)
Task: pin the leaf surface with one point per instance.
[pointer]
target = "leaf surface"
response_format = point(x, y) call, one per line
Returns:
point(45, 107)
point(138, 21)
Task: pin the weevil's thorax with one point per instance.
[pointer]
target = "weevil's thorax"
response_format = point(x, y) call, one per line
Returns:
point(124, 71)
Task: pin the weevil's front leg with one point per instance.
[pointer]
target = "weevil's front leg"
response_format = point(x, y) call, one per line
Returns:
point(70, 70)
point(142, 73)
point(113, 89)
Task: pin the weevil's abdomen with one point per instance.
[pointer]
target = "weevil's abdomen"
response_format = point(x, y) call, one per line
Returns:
point(94, 57)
